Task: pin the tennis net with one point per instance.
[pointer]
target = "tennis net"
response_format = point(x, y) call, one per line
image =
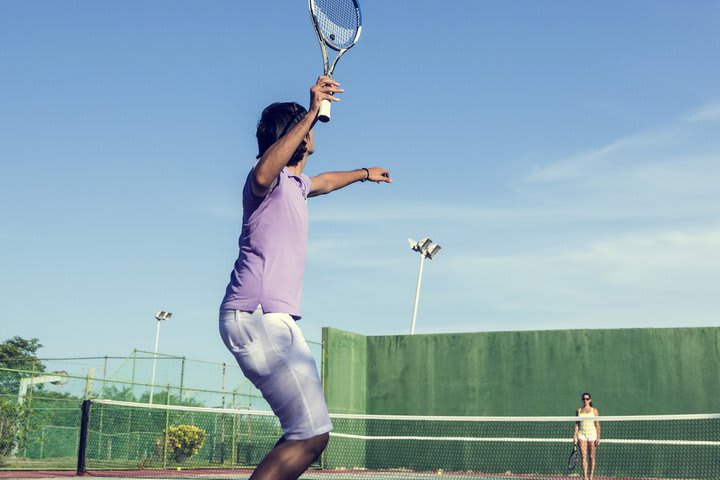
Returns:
point(142, 440)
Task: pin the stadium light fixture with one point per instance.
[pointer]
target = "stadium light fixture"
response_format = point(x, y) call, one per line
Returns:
point(427, 249)
point(159, 316)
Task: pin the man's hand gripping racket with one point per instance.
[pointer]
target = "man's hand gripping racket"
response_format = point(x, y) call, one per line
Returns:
point(338, 24)
point(322, 93)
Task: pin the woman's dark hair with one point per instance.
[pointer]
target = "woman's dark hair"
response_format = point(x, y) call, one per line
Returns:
point(584, 394)
point(277, 120)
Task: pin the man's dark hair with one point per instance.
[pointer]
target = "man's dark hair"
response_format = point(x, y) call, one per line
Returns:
point(277, 120)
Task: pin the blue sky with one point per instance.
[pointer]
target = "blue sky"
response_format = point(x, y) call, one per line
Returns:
point(565, 155)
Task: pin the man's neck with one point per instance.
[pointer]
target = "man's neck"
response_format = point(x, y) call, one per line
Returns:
point(298, 169)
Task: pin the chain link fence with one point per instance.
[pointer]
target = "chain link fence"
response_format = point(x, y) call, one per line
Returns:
point(40, 407)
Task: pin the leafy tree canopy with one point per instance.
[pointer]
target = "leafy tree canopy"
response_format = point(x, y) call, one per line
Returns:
point(19, 354)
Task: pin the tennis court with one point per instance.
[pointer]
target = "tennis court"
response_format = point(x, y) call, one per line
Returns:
point(121, 439)
point(310, 475)
point(126, 439)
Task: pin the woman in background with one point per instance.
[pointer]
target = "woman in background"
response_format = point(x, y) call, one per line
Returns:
point(587, 434)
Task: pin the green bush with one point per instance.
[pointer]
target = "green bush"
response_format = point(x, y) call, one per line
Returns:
point(183, 441)
point(8, 428)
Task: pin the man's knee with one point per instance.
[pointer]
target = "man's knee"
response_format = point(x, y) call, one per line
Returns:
point(318, 442)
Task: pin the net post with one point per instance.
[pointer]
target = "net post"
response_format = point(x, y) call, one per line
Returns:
point(82, 446)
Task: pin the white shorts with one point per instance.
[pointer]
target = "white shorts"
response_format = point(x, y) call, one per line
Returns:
point(587, 438)
point(273, 355)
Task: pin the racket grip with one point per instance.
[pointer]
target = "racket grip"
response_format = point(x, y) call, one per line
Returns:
point(324, 113)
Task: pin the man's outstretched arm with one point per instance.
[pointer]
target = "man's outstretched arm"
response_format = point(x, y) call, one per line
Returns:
point(330, 181)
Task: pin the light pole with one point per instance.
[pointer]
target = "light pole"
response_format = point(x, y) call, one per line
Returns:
point(159, 316)
point(426, 249)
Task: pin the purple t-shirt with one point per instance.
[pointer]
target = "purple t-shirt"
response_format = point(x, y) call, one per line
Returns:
point(273, 247)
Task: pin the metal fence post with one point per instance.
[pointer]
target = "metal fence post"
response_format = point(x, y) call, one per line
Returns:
point(182, 378)
point(167, 428)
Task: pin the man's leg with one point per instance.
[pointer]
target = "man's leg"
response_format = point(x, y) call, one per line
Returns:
point(290, 458)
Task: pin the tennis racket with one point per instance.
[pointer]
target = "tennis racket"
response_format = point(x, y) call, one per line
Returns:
point(573, 460)
point(338, 24)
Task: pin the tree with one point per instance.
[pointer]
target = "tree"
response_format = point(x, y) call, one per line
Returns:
point(8, 428)
point(161, 398)
point(18, 353)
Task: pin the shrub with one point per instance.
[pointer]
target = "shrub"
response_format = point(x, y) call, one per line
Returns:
point(183, 441)
point(8, 428)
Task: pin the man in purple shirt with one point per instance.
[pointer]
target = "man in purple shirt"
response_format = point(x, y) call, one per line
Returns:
point(262, 300)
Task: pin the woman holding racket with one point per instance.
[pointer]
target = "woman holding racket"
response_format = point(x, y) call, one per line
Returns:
point(587, 434)
point(262, 300)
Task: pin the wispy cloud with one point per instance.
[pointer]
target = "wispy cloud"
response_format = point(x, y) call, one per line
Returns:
point(692, 134)
point(656, 259)
point(670, 172)
point(337, 213)
point(668, 276)
point(709, 112)
point(559, 209)
point(582, 163)
point(626, 258)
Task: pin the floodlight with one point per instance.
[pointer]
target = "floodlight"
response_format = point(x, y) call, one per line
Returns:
point(427, 249)
point(159, 316)
point(434, 249)
point(62, 377)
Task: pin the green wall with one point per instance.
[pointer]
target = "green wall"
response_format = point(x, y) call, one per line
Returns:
point(628, 371)
point(344, 362)
point(537, 373)
point(344, 378)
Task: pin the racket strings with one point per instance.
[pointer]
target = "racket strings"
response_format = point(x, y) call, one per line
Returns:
point(338, 21)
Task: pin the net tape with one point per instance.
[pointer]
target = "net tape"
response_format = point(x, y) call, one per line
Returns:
point(426, 418)
point(391, 419)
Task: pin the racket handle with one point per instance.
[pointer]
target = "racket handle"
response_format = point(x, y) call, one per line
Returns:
point(324, 113)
